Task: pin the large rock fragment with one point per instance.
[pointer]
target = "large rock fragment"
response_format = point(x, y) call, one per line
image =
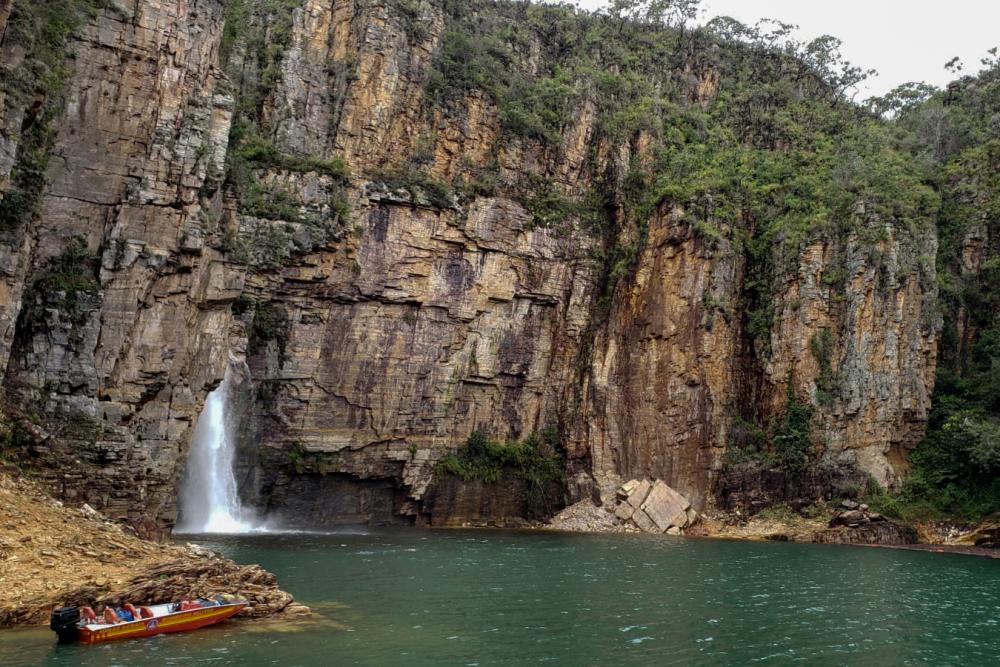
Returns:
point(666, 508)
point(654, 507)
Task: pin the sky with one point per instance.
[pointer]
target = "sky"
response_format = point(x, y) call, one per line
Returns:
point(905, 40)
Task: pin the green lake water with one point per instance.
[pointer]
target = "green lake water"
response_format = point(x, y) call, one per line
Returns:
point(415, 597)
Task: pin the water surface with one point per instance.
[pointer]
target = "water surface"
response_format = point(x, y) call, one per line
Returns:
point(412, 597)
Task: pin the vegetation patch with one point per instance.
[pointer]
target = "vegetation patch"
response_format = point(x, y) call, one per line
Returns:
point(415, 181)
point(787, 443)
point(821, 346)
point(63, 287)
point(269, 325)
point(538, 460)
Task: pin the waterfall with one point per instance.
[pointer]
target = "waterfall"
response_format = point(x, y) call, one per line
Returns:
point(209, 497)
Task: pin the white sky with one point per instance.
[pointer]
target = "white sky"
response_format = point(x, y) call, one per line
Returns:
point(905, 40)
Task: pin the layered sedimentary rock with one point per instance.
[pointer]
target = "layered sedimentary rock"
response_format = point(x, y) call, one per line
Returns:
point(115, 354)
point(383, 322)
point(668, 375)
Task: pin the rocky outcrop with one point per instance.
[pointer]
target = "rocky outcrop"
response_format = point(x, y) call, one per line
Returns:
point(857, 525)
point(52, 556)
point(122, 311)
point(873, 390)
point(986, 534)
point(661, 378)
point(654, 507)
point(671, 377)
point(748, 489)
point(376, 258)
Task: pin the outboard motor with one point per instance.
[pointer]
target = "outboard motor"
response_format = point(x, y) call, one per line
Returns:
point(64, 623)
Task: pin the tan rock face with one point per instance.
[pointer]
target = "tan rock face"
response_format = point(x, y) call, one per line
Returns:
point(120, 373)
point(881, 329)
point(669, 374)
point(661, 378)
point(453, 320)
point(394, 332)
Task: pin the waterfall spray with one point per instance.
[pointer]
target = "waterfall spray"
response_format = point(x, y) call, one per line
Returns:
point(209, 498)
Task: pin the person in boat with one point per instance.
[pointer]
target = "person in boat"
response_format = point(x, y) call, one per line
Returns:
point(126, 614)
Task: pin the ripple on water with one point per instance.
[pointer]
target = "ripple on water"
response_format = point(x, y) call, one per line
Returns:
point(503, 598)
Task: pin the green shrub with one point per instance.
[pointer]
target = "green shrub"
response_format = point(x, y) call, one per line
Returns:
point(269, 325)
point(535, 459)
point(416, 182)
point(821, 346)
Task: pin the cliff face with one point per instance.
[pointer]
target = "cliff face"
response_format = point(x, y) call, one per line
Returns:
point(121, 311)
point(388, 309)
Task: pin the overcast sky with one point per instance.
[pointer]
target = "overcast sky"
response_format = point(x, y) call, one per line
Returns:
point(905, 40)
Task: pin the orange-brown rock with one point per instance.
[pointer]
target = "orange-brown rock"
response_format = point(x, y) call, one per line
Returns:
point(377, 340)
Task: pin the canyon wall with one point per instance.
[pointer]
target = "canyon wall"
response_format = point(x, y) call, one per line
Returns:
point(382, 318)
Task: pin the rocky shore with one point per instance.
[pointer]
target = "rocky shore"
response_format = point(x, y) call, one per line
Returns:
point(649, 506)
point(52, 555)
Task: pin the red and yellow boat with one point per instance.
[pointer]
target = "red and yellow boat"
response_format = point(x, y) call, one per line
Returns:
point(81, 625)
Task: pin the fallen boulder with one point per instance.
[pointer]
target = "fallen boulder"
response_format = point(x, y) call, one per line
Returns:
point(653, 507)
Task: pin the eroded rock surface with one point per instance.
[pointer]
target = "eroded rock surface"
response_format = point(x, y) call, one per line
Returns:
point(383, 321)
point(654, 507)
point(52, 555)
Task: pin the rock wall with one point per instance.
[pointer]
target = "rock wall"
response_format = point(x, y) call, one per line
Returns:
point(114, 355)
point(659, 393)
point(378, 339)
point(854, 329)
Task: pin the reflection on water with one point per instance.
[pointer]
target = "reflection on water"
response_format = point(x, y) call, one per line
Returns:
point(499, 598)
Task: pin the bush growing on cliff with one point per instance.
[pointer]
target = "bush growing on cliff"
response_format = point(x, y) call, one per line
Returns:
point(537, 460)
point(63, 287)
point(484, 460)
point(269, 325)
point(787, 443)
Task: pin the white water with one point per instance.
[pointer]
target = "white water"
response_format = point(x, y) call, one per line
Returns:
point(209, 497)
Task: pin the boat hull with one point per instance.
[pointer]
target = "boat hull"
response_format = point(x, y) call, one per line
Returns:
point(182, 621)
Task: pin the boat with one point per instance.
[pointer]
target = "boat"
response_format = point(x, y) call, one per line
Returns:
point(81, 624)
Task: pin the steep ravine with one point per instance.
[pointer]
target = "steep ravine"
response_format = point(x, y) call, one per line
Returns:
point(283, 182)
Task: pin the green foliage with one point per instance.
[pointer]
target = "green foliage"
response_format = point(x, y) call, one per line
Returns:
point(14, 439)
point(297, 456)
point(269, 325)
point(821, 346)
point(535, 459)
point(537, 109)
point(956, 469)
point(538, 460)
point(260, 153)
point(415, 181)
point(63, 286)
point(787, 443)
point(792, 436)
point(478, 54)
point(553, 209)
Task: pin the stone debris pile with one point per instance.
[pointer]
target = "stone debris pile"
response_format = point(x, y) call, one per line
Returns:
point(857, 524)
point(654, 507)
